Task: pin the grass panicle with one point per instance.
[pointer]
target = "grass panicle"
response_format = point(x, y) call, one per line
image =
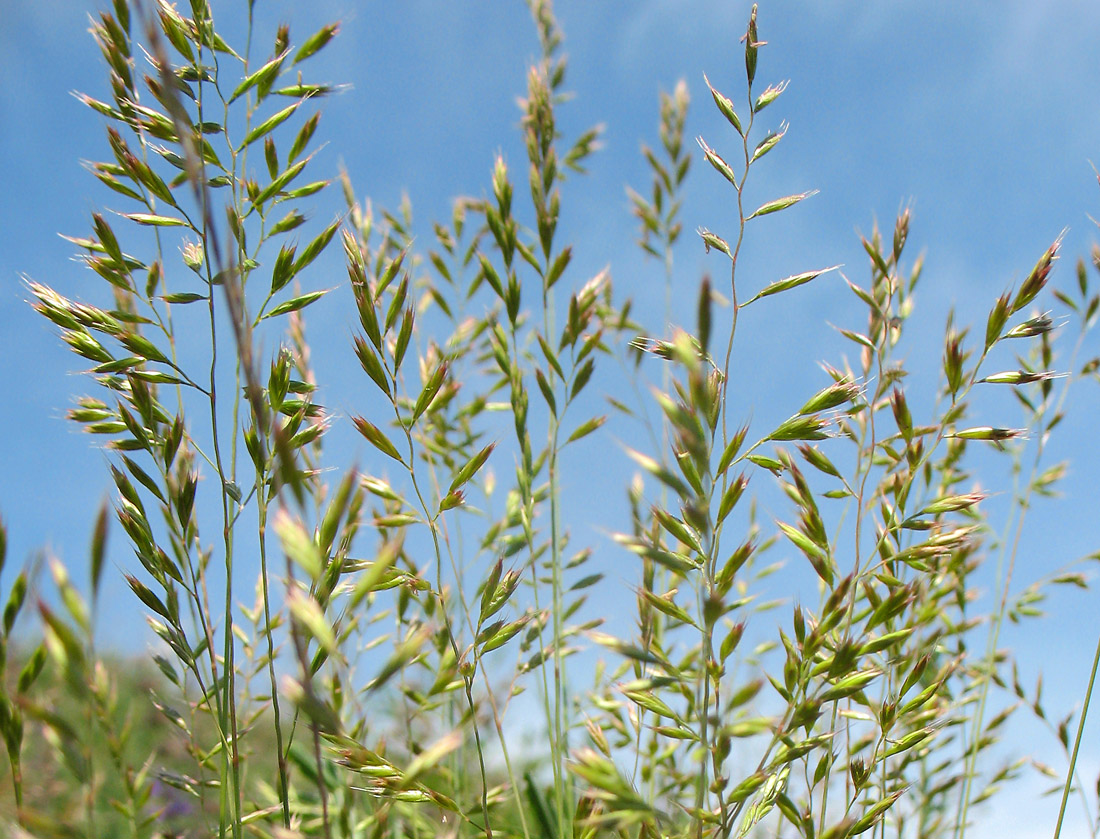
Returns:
point(410, 614)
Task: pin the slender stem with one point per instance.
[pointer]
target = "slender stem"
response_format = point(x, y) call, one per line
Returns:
point(1077, 741)
point(998, 618)
point(708, 588)
point(284, 788)
point(561, 722)
point(467, 679)
point(223, 696)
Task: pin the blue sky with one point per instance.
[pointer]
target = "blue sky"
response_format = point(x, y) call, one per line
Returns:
point(979, 116)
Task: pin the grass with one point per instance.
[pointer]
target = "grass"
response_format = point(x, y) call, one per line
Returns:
point(409, 615)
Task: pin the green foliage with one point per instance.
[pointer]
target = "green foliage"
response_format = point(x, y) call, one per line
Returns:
point(407, 619)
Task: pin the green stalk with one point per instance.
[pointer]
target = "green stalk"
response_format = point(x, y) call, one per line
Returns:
point(998, 619)
point(1077, 741)
point(467, 679)
point(561, 783)
point(230, 766)
point(284, 790)
point(711, 563)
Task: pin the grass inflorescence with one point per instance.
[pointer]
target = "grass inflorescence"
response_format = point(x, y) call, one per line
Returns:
point(368, 681)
